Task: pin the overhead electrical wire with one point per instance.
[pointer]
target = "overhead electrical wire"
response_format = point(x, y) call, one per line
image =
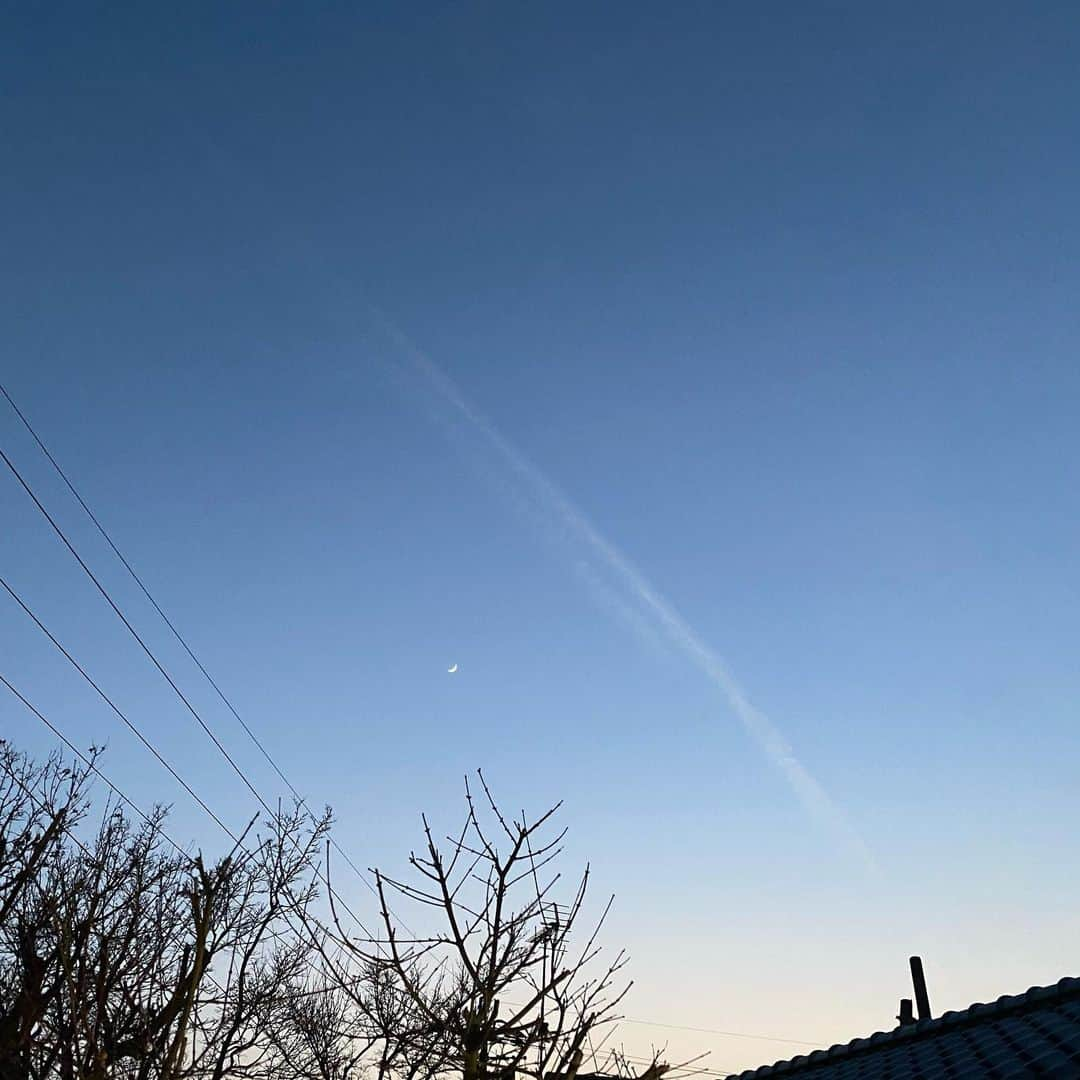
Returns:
point(67, 742)
point(90, 764)
point(134, 633)
point(172, 628)
point(131, 725)
point(145, 591)
point(717, 1031)
point(168, 678)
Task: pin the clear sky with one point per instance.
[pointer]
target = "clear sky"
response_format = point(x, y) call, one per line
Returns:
point(776, 303)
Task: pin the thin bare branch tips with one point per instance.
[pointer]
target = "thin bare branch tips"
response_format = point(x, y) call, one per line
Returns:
point(502, 982)
point(618, 1064)
point(123, 958)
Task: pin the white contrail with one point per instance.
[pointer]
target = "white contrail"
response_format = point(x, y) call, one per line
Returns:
point(662, 617)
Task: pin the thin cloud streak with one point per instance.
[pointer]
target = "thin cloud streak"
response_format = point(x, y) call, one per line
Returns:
point(662, 617)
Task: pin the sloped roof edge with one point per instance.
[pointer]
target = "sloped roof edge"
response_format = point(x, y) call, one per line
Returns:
point(1037, 997)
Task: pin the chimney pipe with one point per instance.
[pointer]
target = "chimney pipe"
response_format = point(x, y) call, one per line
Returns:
point(922, 999)
point(907, 1016)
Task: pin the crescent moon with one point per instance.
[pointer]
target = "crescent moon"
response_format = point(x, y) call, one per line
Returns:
point(451, 670)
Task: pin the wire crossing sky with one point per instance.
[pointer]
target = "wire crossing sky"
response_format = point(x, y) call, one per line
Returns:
point(175, 633)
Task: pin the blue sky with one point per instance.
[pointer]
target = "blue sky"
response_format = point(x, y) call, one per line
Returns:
point(782, 300)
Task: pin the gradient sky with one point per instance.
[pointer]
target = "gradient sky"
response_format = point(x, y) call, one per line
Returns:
point(781, 298)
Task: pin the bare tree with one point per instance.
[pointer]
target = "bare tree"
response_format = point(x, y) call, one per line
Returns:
point(122, 956)
point(502, 986)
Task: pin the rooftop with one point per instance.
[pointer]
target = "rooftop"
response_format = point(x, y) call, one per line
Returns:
point(1031, 1034)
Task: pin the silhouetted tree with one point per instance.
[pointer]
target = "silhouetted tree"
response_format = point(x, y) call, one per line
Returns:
point(502, 986)
point(121, 956)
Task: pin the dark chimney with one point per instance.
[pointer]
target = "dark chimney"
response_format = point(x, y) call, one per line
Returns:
point(922, 1000)
point(906, 1015)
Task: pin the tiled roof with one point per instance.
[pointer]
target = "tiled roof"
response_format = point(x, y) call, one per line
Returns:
point(1032, 1034)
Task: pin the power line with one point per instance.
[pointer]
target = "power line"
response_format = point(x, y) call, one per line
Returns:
point(134, 633)
point(91, 765)
point(67, 742)
point(160, 667)
point(717, 1031)
point(145, 591)
point(149, 745)
point(132, 726)
point(175, 632)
